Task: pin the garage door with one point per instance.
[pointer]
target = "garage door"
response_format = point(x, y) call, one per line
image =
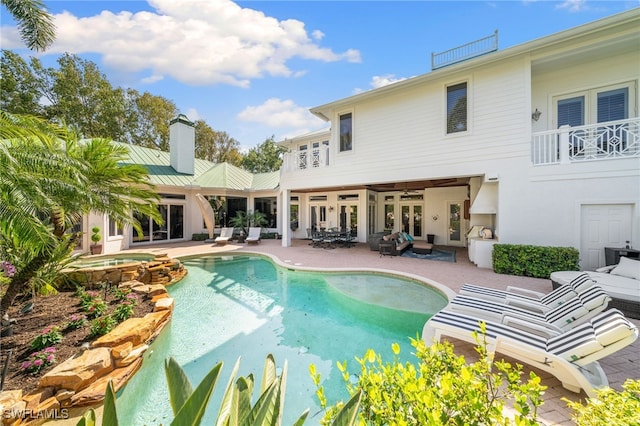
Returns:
point(603, 225)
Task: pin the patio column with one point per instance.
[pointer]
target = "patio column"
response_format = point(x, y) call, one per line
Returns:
point(286, 218)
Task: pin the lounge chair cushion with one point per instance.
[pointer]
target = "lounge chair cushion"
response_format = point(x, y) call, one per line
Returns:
point(581, 282)
point(575, 345)
point(611, 327)
point(594, 297)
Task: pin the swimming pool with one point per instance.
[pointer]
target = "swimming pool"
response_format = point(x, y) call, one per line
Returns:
point(246, 306)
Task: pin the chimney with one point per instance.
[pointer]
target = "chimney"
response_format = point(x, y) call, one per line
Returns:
point(182, 144)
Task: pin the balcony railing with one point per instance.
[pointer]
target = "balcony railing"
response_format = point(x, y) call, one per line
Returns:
point(464, 52)
point(602, 141)
point(297, 160)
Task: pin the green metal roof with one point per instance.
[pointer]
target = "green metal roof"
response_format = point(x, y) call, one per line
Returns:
point(206, 173)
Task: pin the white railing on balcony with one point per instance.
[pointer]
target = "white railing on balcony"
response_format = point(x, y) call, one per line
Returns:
point(466, 51)
point(306, 159)
point(602, 141)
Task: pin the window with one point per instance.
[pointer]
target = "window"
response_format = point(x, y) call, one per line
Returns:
point(115, 229)
point(457, 108)
point(613, 105)
point(571, 112)
point(171, 229)
point(346, 132)
point(601, 105)
point(595, 106)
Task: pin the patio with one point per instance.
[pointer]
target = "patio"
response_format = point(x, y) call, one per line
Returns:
point(620, 366)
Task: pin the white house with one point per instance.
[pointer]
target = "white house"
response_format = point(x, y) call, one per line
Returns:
point(539, 142)
point(178, 177)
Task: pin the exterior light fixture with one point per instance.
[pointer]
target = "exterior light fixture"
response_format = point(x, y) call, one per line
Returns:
point(536, 115)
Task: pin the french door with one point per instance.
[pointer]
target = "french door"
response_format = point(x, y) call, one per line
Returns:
point(412, 219)
point(318, 219)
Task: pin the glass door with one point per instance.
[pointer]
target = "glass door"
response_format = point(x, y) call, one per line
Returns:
point(412, 219)
point(455, 224)
point(318, 219)
point(348, 218)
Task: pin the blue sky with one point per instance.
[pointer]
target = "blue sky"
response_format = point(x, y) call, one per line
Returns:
point(254, 68)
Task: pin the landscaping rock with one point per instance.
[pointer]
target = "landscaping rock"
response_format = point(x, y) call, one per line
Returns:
point(164, 304)
point(94, 393)
point(122, 350)
point(77, 372)
point(134, 330)
point(132, 356)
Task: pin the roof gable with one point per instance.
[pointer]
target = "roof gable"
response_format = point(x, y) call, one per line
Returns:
point(207, 174)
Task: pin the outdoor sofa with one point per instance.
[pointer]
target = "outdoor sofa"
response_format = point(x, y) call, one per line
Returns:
point(401, 241)
point(621, 282)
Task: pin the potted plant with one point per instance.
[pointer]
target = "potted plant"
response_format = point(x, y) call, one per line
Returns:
point(244, 220)
point(95, 239)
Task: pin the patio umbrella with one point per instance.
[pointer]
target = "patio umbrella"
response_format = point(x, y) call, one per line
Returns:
point(207, 214)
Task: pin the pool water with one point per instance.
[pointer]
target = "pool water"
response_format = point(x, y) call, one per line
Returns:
point(246, 306)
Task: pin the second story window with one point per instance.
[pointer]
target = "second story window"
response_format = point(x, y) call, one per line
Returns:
point(457, 108)
point(346, 132)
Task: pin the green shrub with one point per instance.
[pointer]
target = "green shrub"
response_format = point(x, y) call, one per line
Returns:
point(101, 326)
point(123, 311)
point(199, 237)
point(533, 261)
point(609, 407)
point(48, 337)
point(442, 389)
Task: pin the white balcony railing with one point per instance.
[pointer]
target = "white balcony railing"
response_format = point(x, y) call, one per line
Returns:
point(298, 160)
point(602, 141)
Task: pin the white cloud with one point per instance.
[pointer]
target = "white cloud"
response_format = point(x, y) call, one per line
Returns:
point(384, 80)
point(195, 42)
point(152, 79)
point(282, 115)
point(193, 114)
point(380, 81)
point(573, 5)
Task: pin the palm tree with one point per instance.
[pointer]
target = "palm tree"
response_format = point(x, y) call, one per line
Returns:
point(34, 22)
point(48, 181)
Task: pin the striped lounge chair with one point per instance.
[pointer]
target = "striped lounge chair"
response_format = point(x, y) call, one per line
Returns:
point(528, 298)
point(572, 356)
point(563, 317)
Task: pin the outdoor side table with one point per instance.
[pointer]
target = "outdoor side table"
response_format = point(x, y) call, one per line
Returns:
point(386, 248)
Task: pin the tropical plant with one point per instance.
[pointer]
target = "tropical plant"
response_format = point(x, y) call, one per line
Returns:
point(48, 180)
point(34, 23)
point(189, 404)
point(244, 220)
point(609, 407)
point(441, 389)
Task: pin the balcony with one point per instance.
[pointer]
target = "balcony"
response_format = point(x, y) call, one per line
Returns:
point(307, 159)
point(602, 141)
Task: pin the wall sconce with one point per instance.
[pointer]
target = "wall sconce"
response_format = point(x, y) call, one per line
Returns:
point(435, 217)
point(536, 115)
point(330, 208)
